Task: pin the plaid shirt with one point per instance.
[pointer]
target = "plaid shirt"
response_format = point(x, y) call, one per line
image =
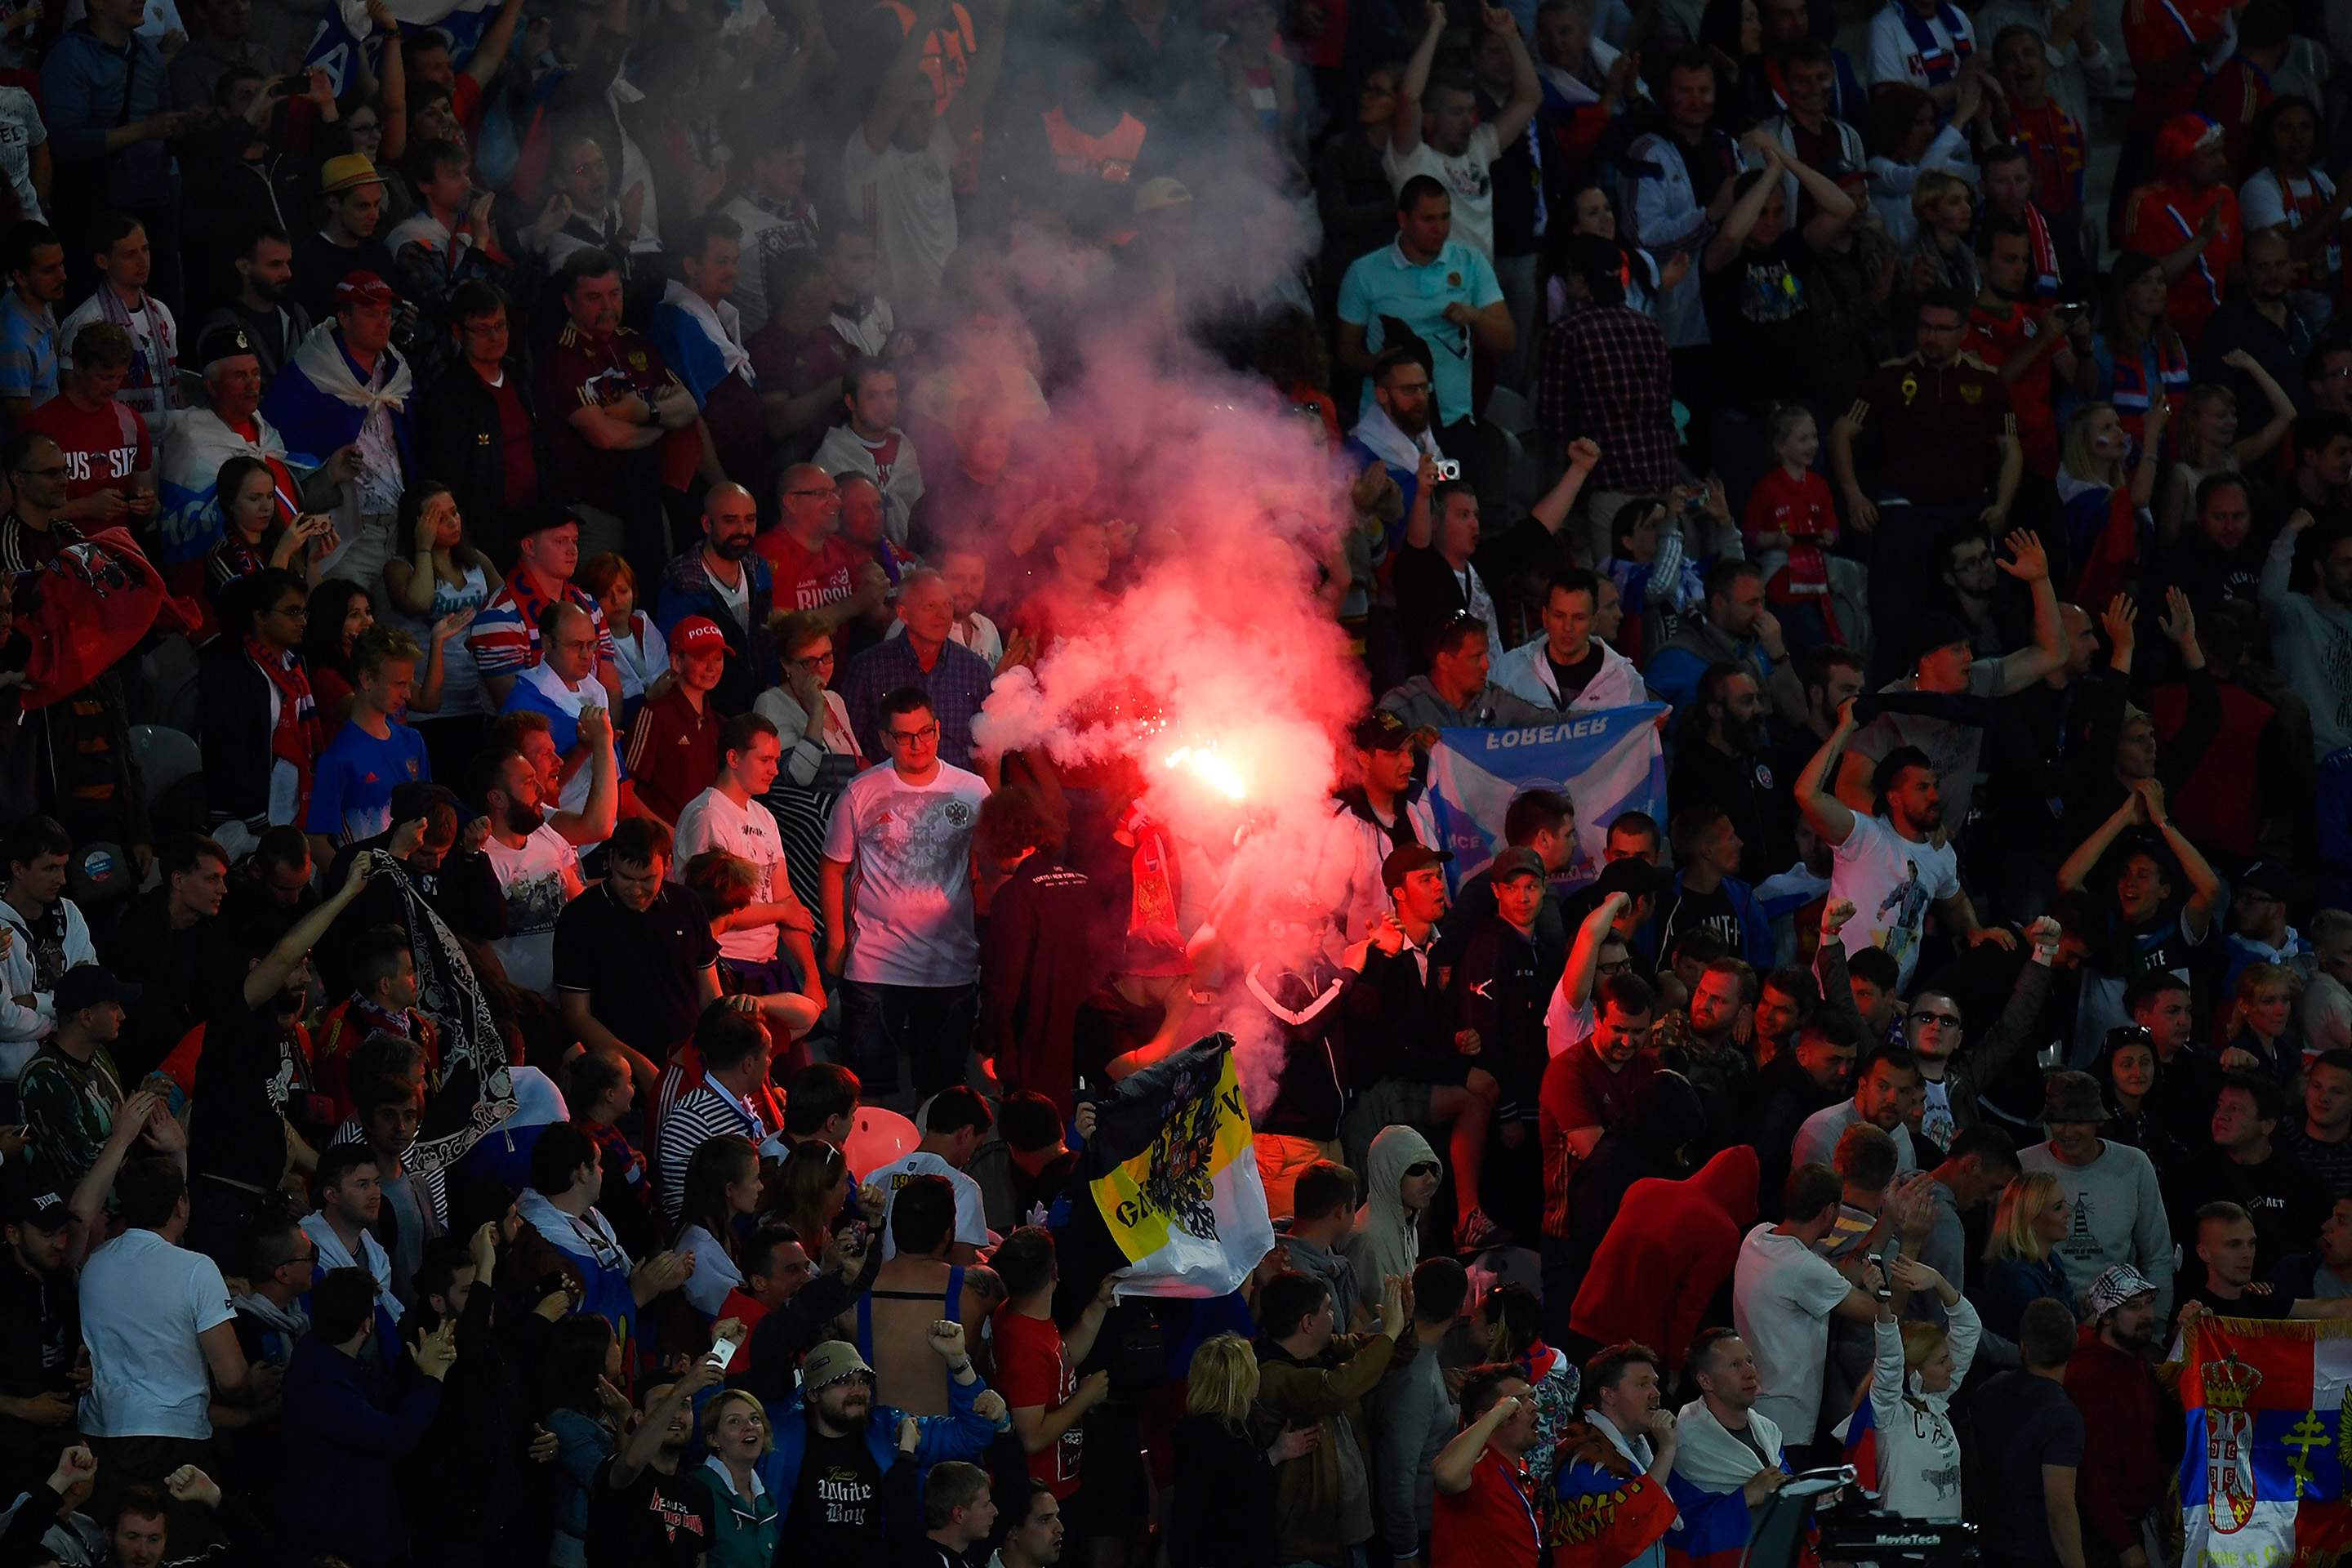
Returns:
point(957, 683)
point(1606, 376)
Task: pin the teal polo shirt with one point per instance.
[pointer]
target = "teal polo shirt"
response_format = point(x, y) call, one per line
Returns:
point(1385, 284)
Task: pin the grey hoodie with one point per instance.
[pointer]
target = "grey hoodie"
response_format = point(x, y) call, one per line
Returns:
point(1317, 1261)
point(1387, 1240)
point(1418, 703)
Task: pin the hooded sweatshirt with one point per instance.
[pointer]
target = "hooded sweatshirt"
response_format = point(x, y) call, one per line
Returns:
point(1919, 1453)
point(1387, 1239)
point(1671, 1250)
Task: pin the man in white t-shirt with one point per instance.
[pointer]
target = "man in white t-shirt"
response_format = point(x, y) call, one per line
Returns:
point(761, 941)
point(1893, 865)
point(955, 1123)
point(1925, 43)
point(906, 949)
point(1437, 132)
point(535, 856)
point(162, 1335)
point(1783, 1294)
point(896, 169)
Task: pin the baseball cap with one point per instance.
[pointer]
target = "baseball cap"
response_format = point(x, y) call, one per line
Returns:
point(2270, 877)
point(1380, 730)
point(1163, 191)
point(1516, 861)
point(698, 634)
point(2114, 1288)
point(42, 1207)
point(347, 172)
point(89, 985)
point(830, 1362)
point(364, 288)
point(226, 341)
point(1403, 863)
point(1632, 876)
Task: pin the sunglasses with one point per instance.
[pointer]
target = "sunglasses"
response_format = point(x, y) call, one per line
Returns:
point(1424, 1168)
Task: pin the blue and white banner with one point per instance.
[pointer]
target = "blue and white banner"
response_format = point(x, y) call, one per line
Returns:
point(346, 30)
point(1609, 760)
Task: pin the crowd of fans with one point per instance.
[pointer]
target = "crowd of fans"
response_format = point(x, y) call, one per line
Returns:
point(581, 470)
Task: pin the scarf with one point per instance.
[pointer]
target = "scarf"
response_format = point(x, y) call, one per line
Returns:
point(1710, 1457)
point(1380, 436)
point(321, 359)
point(154, 360)
point(2052, 142)
point(2046, 279)
point(371, 1257)
point(1938, 64)
point(590, 1236)
point(721, 323)
point(289, 1324)
point(1155, 942)
point(475, 1093)
point(294, 738)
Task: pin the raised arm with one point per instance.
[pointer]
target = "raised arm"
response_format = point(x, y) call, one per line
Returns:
point(269, 976)
point(1831, 818)
point(1723, 247)
point(1584, 956)
point(987, 69)
point(2204, 887)
point(2254, 448)
point(904, 79)
point(1553, 508)
point(2030, 564)
point(491, 52)
point(2076, 870)
point(592, 822)
point(1527, 93)
point(1404, 120)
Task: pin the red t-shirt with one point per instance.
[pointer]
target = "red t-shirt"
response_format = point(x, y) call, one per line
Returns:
point(2162, 218)
point(1997, 340)
point(806, 580)
point(1032, 1370)
point(1800, 507)
point(1492, 1523)
point(518, 469)
point(103, 445)
point(2157, 30)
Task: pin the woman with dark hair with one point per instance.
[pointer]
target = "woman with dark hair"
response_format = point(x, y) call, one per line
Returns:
point(1904, 143)
point(722, 1189)
point(2129, 1072)
point(250, 537)
point(2135, 357)
point(441, 582)
point(1733, 31)
point(586, 1409)
point(820, 752)
point(340, 611)
point(255, 710)
point(808, 1191)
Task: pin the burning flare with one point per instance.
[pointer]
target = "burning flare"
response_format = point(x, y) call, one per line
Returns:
point(1206, 765)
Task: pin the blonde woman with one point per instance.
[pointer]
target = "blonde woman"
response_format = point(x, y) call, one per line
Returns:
point(2020, 1265)
point(2105, 504)
point(743, 1512)
point(1943, 209)
point(1225, 1460)
point(2207, 443)
point(1918, 1366)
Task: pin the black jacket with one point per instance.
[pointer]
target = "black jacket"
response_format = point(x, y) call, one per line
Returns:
point(232, 729)
point(458, 442)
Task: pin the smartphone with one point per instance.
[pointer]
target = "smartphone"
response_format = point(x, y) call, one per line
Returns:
point(723, 1351)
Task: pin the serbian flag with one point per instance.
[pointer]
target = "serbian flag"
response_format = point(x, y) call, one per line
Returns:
point(2269, 1409)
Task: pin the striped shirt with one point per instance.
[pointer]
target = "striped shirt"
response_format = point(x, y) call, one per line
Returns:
point(504, 637)
point(702, 1113)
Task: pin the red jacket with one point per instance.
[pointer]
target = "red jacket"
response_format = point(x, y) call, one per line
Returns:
point(2124, 1464)
point(1669, 1250)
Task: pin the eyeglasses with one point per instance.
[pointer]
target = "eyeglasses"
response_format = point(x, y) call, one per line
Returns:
point(908, 737)
point(1620, 967)
point(814, 660)
point(294, 613)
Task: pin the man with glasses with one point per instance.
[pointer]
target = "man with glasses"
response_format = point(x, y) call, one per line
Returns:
point(253, 710)
point(816, 569)
point(953, 680)
point(477, 427)
point(595, 220)
point(1936, 1036)
point(910, 966)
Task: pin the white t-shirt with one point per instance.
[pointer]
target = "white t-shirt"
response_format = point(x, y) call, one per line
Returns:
point(907, 199)
point(155, 337)
point(2263, 203)
point(711, 821)
point(1891, 881)
point(532, 878)
point(971, 1222)
point(1783, 1293)
point(910, 849)
point(144, 1302)
point(1894, 57)
point(21, 130)
point(1468, 178)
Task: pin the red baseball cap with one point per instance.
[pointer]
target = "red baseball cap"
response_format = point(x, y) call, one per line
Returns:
point(364, 288)
point(697, 634)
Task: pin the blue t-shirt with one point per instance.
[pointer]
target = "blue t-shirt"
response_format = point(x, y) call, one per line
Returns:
point(29, 351)
point(1383, 283)
point(351, 789)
